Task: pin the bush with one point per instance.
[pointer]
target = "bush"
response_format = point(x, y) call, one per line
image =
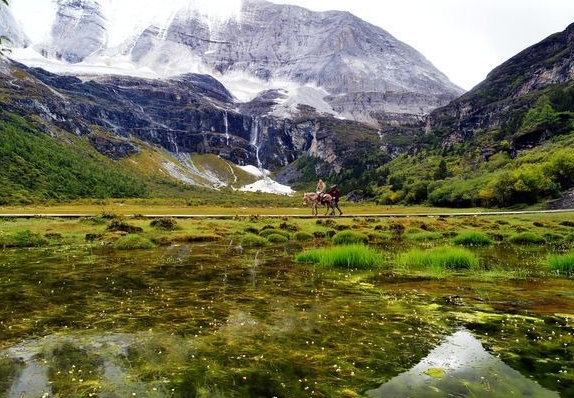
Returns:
point(446, 258)
point(347, 256)
point(527, 238)
point(133, 242)
point(563, 263)
point(350, 238)
point(472, 238)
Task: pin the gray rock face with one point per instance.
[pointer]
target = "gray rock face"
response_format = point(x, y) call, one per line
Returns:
point(9, 29)
point(78, 31)
point(334, 51)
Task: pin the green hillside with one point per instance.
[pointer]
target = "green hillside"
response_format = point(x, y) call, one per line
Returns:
point(37, 168)
point(487, 169)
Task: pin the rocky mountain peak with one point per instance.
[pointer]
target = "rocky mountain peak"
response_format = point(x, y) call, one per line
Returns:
point(258, 46)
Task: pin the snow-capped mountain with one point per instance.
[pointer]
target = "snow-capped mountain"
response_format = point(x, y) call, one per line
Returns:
point(331, 61)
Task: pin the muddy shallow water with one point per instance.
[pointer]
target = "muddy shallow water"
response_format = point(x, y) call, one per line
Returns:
point(208, 320)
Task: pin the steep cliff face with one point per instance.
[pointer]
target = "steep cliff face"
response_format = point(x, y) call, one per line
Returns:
point(502, 99)
point(188, 114)
point(357, 70)
point(79, 30)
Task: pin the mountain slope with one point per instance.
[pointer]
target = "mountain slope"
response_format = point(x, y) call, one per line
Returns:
point(509, 91)
point(358, 70)
point(508, 141)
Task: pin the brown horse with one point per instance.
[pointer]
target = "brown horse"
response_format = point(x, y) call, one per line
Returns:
point(313, 197)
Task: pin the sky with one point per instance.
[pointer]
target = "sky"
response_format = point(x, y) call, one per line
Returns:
point(464, 39)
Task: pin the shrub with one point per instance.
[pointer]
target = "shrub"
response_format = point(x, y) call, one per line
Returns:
point(133, 242)
point(348, 237)
point(449, 258)
point(526, 238)
point(347, 256)
point(472, 238)
point(563, 263)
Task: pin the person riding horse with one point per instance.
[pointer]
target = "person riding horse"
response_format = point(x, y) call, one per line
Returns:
point(321, 186)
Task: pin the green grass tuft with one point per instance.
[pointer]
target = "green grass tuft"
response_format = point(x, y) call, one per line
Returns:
point(348, 237)
point(302, 236)
point(277, 238)
point(347, 256)
point(25, 238)
point(439, 258)
point(472, 238)
point(424, 236)
point(133, 242)
point(252, 240)
point(563, 263)
point(272, 231)
point(527, 238)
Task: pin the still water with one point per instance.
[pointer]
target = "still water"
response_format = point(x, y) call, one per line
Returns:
point(208, 320)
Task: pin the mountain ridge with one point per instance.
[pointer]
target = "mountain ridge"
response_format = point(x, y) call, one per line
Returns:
point(277, 47)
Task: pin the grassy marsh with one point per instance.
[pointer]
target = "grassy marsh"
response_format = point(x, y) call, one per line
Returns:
point(205, 314)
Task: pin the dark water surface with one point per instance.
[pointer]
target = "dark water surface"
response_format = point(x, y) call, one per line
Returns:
point(212, 321)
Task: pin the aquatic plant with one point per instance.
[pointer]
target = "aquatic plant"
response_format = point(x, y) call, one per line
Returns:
point(349, 237)
point(345, 256)
point(132, 242)
point(9, 368)
point(438, 258)
point(472, 238)
point(73, 372)
point(562, 263)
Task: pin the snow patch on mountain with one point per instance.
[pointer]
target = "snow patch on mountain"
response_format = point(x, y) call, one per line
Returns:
point(125, 18)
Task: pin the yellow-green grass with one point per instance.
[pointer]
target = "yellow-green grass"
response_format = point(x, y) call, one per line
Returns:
point(231, 228)
point(238, 203)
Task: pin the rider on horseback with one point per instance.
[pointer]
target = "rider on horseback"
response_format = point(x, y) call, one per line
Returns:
point(321, 186)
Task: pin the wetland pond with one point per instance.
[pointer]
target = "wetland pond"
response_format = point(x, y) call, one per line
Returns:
point(206, 320)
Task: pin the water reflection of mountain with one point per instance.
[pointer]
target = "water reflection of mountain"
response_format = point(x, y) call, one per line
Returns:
point(461, 367)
